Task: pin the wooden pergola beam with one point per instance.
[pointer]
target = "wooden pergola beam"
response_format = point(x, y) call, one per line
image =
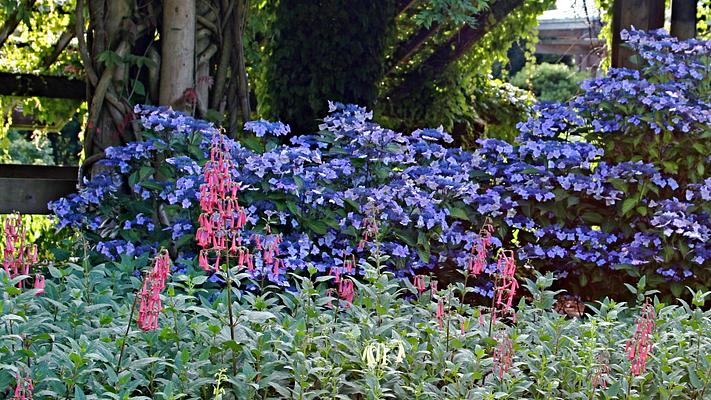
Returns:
point(405, 50)
point(27, 85)
point(455, 47)
point(28, 188)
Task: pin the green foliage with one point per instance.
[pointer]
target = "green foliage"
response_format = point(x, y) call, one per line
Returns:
point(325, 50)
point(293, 345)
point(458, 12)
point(549, 82)
point(464, 99)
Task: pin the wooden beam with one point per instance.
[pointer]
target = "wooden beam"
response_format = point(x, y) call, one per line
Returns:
point(408, 48)
point(27, 85)
point(455, 47)
point(28, 188)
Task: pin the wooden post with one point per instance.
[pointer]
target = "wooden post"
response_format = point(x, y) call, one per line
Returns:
point(642, 14)
point(683, 19)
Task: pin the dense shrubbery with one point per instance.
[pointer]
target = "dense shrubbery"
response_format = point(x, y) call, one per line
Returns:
point(549, 82)
point(389, 342)
point(343, 218)
point(569, 205)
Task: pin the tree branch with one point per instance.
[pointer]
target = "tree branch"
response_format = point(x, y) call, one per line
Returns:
point(13, 20)
point(91, 75)
point(455, 47)
point(59, 47)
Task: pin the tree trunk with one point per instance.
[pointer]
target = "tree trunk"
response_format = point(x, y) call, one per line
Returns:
point(240, 67)
point(683, 19)
point(177, 78)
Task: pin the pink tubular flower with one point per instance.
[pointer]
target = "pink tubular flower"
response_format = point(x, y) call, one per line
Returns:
point(153, 285)
point(505, 285)
point(330, 292)
point(39, 284)
point(222, 217)
point(346, 291)
point(440, 313)
point(349, 265)
point(23, 389)
point(370, 230)
point(601, 371)
point(18, 256)
point(503, 355)
point(640, 345)
point(419, 282)
point(480, 251)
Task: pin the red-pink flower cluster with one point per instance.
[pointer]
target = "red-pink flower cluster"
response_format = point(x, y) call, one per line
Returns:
point(370, 230)
point(640, 345)
point(440, 313)
point(505, 284)
point(480, 251)
point(24, 388)
point(601, 372)
point(222, 217)
point(503, 355)
point(420, 284)
point(19, 256)
point(346, 292)
point(153, 285)
point(270, 251)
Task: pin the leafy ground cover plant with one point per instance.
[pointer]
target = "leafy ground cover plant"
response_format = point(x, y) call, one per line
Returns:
point(382, 338)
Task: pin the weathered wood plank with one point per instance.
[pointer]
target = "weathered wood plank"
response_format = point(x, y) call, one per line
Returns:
point(27, 85)
point(28, 188)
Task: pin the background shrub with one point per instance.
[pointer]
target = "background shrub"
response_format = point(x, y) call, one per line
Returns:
point(549, 82)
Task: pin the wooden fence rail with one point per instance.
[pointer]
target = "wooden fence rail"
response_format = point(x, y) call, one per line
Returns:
point(28, 188)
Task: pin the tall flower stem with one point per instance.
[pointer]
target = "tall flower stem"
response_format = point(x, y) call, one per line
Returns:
point(128, 329)
point(493, 310)
point(231, 315)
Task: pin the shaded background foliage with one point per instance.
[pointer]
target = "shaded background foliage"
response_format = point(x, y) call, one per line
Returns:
point(323, 50)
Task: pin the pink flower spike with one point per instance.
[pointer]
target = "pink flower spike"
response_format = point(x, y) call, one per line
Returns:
point(23, 388)
point(39, 283)
point(151, 306)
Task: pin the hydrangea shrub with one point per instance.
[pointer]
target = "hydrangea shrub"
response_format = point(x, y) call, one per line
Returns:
point(567, 204)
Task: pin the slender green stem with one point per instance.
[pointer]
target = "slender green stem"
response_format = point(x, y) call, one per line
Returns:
point(464, 291)
point(229, 310)
point(128, 329)
point(629, 385)
point(493, 304)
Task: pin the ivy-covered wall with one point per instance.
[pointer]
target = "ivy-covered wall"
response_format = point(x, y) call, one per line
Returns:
point(323, 50)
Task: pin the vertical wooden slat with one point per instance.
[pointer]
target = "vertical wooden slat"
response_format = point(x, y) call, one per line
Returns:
point(642, 14)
